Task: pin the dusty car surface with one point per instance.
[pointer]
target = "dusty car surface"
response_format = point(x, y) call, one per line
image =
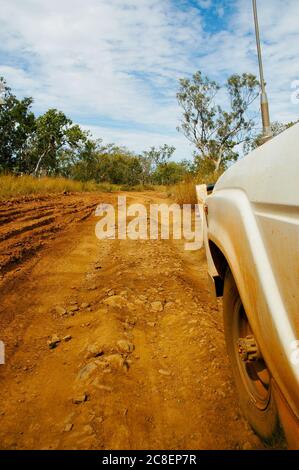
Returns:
point(251, 233)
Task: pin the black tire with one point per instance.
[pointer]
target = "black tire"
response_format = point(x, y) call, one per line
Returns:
point(256, 401)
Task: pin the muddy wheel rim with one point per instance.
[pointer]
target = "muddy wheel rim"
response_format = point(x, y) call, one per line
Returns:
point(255, 375)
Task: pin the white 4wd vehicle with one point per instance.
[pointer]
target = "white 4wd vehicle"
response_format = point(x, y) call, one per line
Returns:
point(251, 233)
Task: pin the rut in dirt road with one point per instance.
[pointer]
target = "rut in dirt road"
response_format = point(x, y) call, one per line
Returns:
point(27, 224)
point(138, 358)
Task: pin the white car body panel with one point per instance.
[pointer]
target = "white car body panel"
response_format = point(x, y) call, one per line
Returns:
point(253, 218)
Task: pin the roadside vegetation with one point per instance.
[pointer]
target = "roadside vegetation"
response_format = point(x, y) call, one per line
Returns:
point(185, 191)
point(49, 153)
point(52, 145)
point(13, 186)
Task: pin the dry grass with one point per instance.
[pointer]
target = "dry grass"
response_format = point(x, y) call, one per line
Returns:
point(13, 186)
point(185, 192)
point(138, 187)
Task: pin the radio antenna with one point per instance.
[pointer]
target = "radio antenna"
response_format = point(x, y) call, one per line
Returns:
point(267, 132)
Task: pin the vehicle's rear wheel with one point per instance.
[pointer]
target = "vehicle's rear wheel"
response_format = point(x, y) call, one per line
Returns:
point(250, 371)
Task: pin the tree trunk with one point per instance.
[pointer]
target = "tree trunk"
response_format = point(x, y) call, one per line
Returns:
point(38, 164)
point(218, 163)
point(40, 160)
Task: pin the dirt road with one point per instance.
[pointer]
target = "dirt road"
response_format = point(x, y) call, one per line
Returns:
point(137, 359)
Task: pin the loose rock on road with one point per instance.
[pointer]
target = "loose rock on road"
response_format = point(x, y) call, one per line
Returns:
point(112, 344)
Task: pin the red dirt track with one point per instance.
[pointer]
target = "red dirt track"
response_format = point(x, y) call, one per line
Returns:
point(141, 360)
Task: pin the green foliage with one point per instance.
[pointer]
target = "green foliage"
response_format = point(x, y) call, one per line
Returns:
point(52, 145)
point(159, 156)
point(169, 173)
point(17, 124)
point(55, 137)
point(214, 131)
point(152, 158)
point(107, 163)
point(257, 140)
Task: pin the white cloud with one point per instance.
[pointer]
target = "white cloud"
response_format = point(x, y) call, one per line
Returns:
point(100, 59)
point(280, 38)
point(118, 61)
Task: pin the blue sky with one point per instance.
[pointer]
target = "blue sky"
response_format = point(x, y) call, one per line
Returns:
point(113, 65)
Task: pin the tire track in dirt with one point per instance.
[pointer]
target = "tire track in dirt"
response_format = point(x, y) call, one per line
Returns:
point(25, 226)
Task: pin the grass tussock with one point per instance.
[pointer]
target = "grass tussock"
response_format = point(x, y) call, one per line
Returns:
point(185, 191)
point(14, 186)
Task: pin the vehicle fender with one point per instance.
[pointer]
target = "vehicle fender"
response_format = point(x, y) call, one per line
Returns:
point(233, 228)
